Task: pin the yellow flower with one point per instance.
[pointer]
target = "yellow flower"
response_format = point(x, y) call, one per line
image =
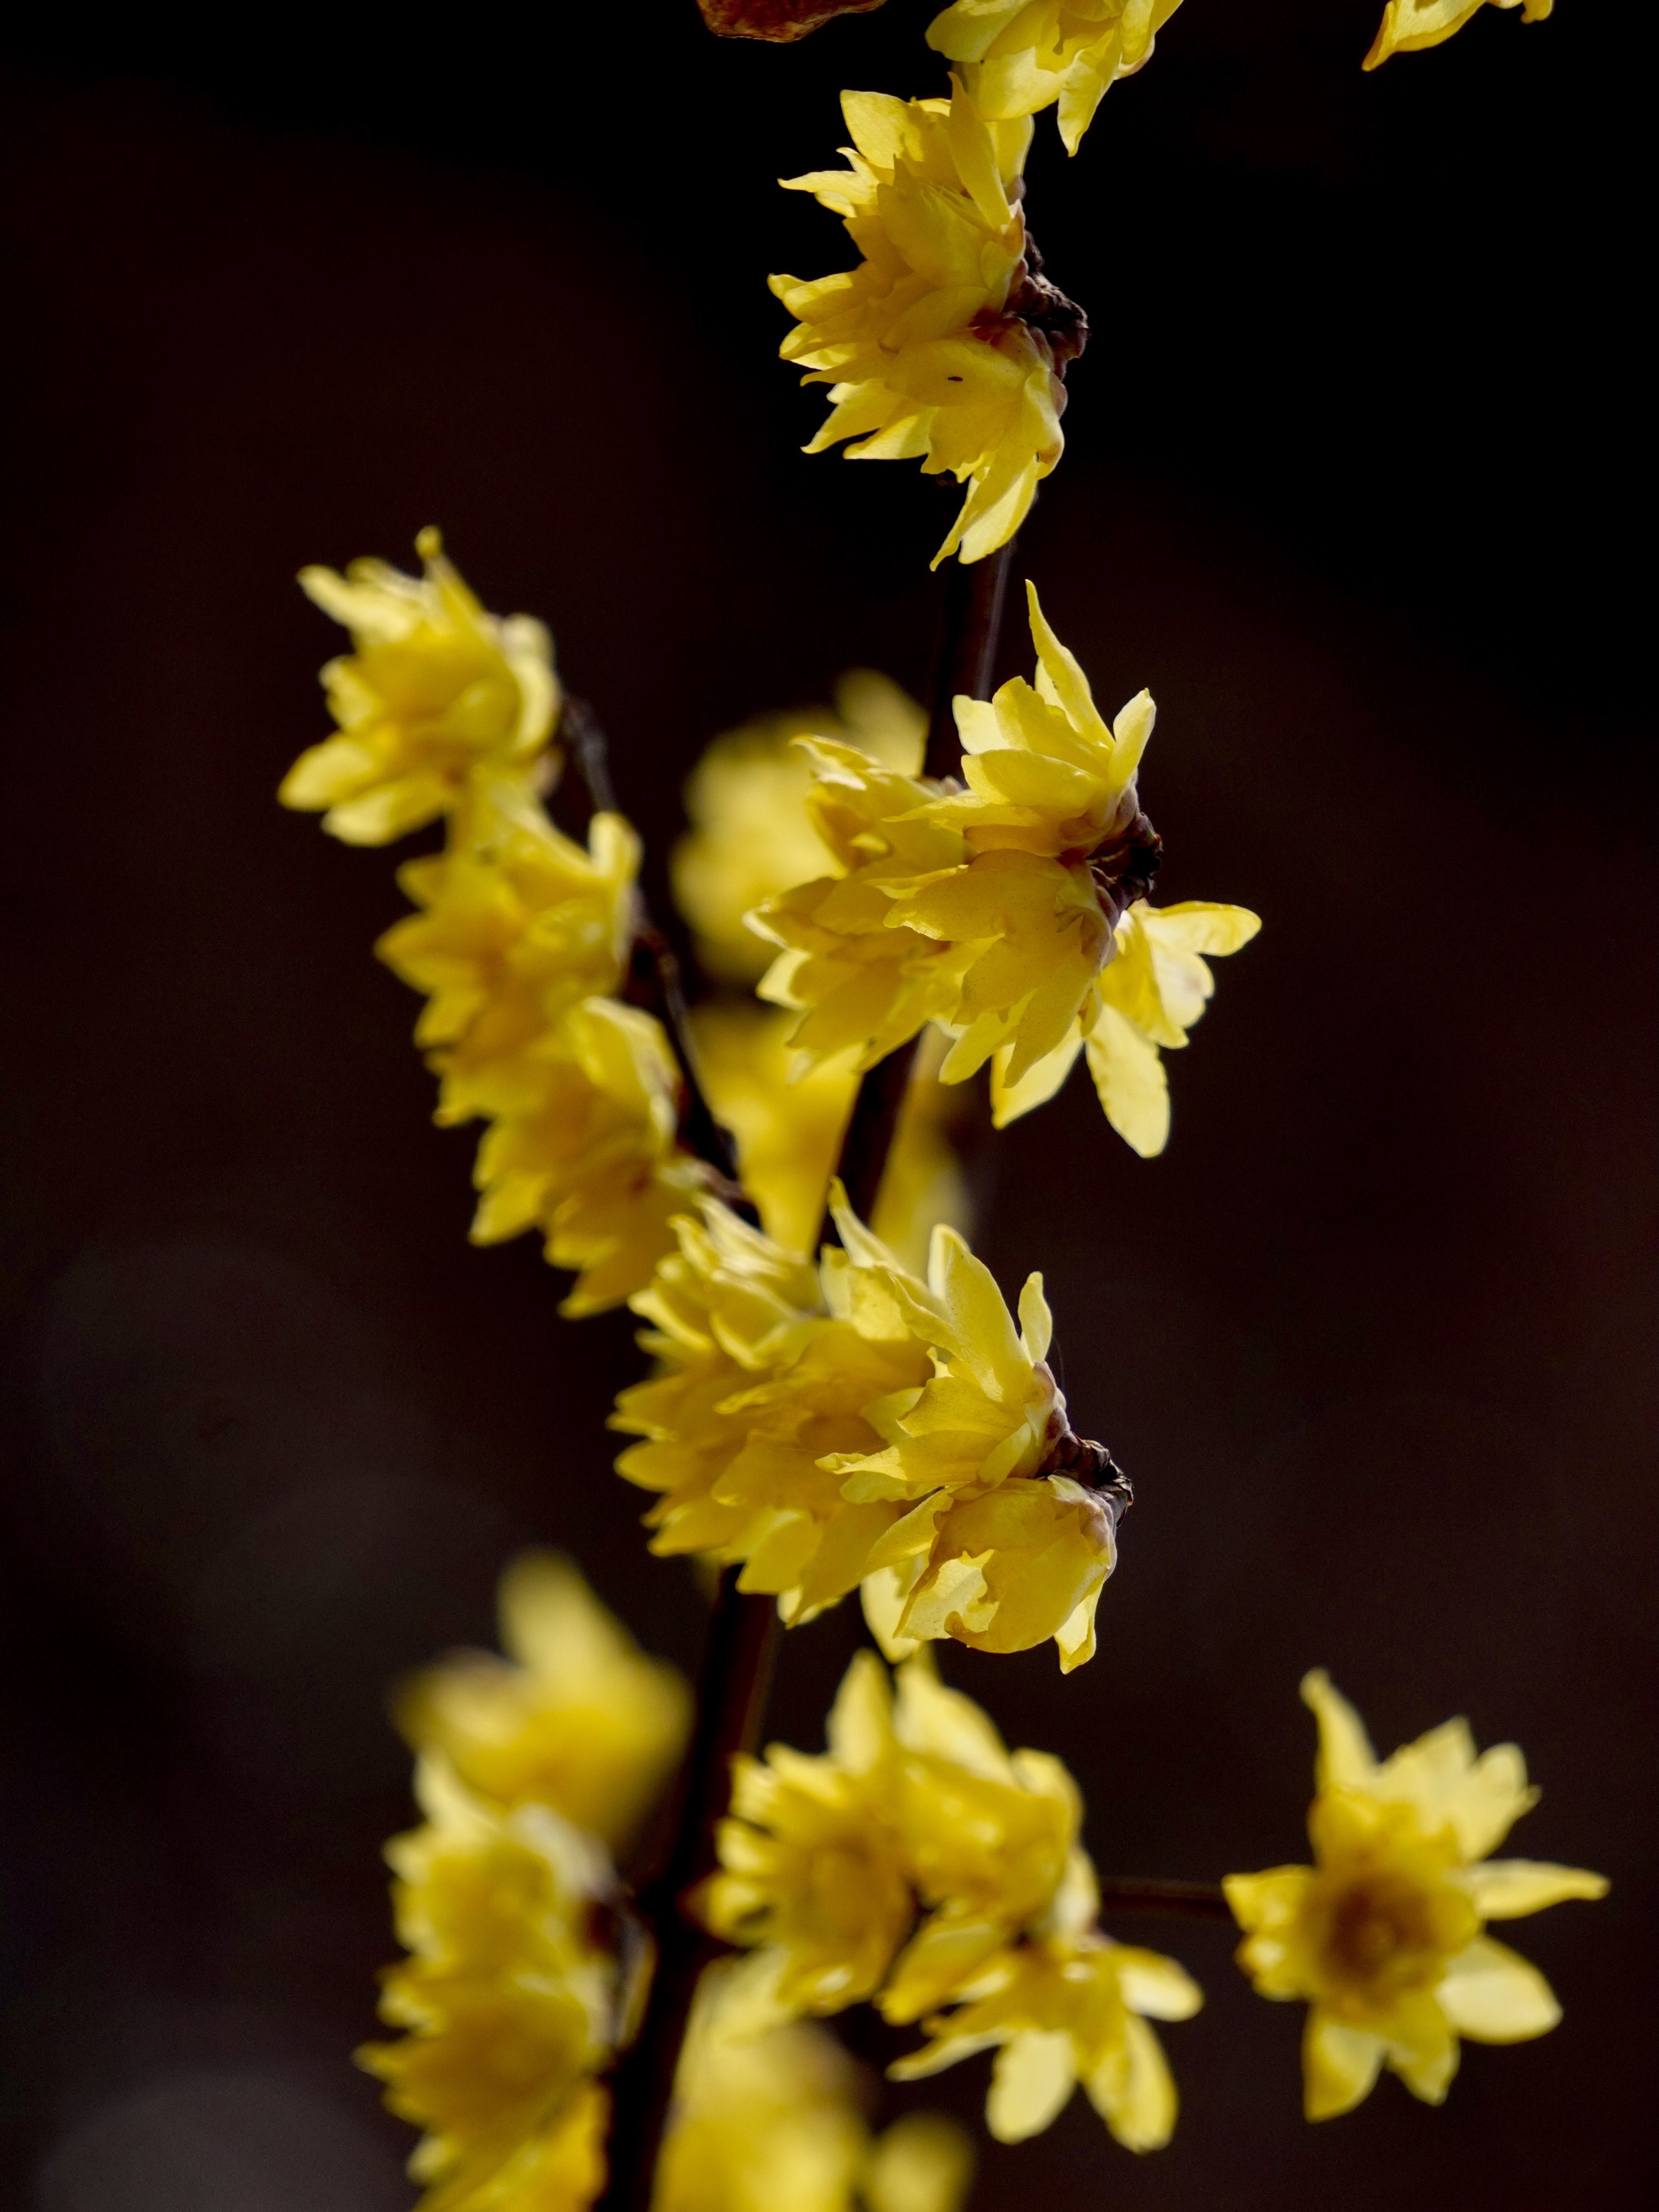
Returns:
point(437, 700)
point(989, 1836)
point(507, 2007)
point(592, 1162)
point(517, 926)
point(764, 1365)
point(751, 835)
point(1382, 1936)
point(812, 1864)
point(1021, 55)
point(770, 2121)
point(861, 985)
point(1408, 25)
point(788, 1132)
point(1064, 2009)
point(1012, 913)
point(922, 345)
point(1155, 988)
point(576, 1717)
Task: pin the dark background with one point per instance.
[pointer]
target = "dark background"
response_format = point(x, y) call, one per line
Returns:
point(1351, 457)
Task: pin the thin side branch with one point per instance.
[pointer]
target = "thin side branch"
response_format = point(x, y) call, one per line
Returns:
point(1193, 1900)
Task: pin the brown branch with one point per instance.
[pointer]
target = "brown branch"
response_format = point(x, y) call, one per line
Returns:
point(1193, 1900)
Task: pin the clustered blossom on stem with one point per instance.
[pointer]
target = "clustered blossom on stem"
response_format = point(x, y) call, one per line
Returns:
point(1383, 1938)
point(1013, 913)
point(921, 1866)
point(522, 936)
point(516, 1995)
point(923, 345)
point(848, 1424)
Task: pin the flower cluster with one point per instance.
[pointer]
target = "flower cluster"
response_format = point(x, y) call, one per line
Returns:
point(848, 1424)
point(1409, 25)
point(924, 346)
point(1383, 1938)
point(921, 1866)
point(1012, 913)
point(514, 1999)
point(1019, 57)
point(521, 937)
point(770, 2118)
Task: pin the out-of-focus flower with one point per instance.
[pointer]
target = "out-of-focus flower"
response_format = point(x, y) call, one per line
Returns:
point(1408, 25)
point(437, 700)
point(1019, 56)
point(788, 1132)
point(1061, 2010)
point(589, 1155)
point(517, 924)
point(922, 2163)
point(922, 345)
point(752, 835)
point(761, 1383)
point(770, 2121)
point(1012, 913)
point(575, 1717)
point(812, 1865)
point(1382, 1936)
point(507, 2006)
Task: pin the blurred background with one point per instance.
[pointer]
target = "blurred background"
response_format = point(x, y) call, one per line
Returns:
point(1347, 486)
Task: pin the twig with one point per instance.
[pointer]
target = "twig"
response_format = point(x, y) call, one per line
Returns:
point(1193, 1900)
point(735, 1676)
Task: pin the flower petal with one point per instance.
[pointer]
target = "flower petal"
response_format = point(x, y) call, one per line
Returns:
point(1495, 1996)
point(1034, 2075)
point(1505, 1889)
point(1339, 2065)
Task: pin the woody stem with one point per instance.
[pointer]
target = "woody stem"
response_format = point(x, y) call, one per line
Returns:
point(1193, 1900)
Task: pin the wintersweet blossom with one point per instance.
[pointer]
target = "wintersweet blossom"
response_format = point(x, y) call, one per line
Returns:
point(992, 1551)
point(590, 1156)
point(812, 1865)
point(508, 2008)
point(1408, 25)
point(925, 354)
point(575, 1717)
point(990, 1837)
point(1383, 1936)
point(771, 2120)
point(1012, 912)
point(853, 1424)
point(437, 699)
point(789, 1130)
point(860, 985)
point(1019, 57)
point(752, 835)
point(764, 1365)
point(517, 926)
point(1063, 2009)
point(919, 1861)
